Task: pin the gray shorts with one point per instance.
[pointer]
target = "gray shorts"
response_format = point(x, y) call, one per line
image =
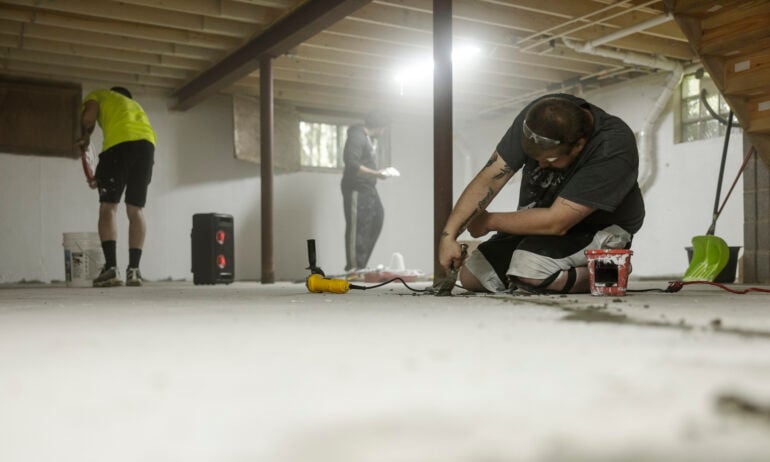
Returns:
point(538, 257)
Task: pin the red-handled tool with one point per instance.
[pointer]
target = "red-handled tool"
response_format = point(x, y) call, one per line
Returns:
point(87, 169)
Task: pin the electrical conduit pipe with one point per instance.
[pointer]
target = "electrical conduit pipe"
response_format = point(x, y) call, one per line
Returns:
point(644, 136)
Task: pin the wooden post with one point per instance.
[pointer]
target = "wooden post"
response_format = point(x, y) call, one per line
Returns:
point(266, 165)
point(442, 123)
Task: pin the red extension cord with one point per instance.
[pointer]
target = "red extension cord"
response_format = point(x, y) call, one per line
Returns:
point(676, 286)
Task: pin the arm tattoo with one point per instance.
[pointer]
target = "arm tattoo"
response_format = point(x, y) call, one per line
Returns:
point(480, 208)
point(491, 160)
point(486, 199)
point(503, 172)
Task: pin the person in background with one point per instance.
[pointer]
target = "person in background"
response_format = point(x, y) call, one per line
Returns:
point(364, 213)
point(126, 162)
point(578, 191)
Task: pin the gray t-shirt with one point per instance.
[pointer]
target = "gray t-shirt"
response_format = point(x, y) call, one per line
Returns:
point(358, 151)
point(603, 177)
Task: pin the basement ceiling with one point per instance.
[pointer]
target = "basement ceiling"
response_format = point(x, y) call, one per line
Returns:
point(512, 50)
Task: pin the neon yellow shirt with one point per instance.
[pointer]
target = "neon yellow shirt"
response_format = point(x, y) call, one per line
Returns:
point(121, 119)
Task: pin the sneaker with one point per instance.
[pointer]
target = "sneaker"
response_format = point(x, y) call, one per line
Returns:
point(133, 277)
point(109, 277)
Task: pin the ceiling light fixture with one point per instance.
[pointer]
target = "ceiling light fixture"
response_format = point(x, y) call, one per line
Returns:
point(421, 71)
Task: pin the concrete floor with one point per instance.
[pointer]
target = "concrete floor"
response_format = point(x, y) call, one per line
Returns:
point(246, 372)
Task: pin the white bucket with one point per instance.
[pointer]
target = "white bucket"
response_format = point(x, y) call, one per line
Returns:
point(83, 258)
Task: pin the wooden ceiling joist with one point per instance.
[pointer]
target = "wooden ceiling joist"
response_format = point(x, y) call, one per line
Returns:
point(225, 9)
point(34, 35)
point(119, 28)
point(76, 52)
point(304, 22)
point(195, 48)
point(95, 64)
point(144, 15)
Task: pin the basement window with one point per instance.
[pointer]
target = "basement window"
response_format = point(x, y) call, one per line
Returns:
point(694, 121)
point(323, 145)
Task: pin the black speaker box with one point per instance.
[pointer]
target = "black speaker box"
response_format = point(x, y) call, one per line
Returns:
point(213, 259)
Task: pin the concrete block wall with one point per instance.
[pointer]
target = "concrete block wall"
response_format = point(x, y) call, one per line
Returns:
point(756, 216)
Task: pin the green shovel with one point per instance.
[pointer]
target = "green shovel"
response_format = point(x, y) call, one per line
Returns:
point(709, 257)
point(711, 253)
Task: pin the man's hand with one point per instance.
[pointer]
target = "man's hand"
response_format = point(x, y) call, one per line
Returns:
point(366, 171)
point(83, 142)
point(92, 183)
point(479, 226)
point(450, 253)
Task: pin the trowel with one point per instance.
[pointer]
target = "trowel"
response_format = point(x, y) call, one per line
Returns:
point(443, 288)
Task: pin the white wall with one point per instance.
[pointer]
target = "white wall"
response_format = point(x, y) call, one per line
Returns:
point(680, 202)
point(195, 172)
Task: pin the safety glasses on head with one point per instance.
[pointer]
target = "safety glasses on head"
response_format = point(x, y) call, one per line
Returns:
point(542, 141)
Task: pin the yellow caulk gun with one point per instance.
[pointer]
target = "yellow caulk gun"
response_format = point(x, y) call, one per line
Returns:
point(318, 282)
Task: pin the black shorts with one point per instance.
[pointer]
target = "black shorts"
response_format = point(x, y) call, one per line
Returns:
point(499, 249)
point(539, 257)
point(126, 166)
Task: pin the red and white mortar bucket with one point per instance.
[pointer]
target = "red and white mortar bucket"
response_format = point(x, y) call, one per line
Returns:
point(608, 271)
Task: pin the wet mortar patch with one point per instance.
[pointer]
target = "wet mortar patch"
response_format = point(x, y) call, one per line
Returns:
point(734, 404)
point(593, 313)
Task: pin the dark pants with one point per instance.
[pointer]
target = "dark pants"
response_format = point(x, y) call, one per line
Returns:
point(364, 216)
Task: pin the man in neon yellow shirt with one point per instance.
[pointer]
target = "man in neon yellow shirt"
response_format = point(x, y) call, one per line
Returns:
point(125, 163)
